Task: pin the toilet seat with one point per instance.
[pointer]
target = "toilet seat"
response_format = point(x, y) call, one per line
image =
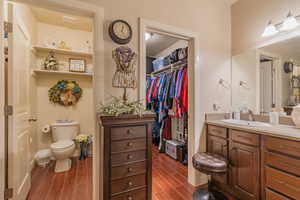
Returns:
point(62, 145)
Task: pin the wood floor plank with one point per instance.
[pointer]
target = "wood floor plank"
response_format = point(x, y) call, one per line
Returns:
point(169, 181)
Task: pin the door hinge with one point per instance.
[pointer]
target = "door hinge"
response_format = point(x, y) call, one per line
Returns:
point(8, 110)
point(8, 193)
point(8, 27)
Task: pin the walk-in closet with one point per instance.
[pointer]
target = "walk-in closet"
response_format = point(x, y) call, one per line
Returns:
point(167, 95)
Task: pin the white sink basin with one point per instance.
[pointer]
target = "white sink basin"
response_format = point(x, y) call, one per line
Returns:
point(246, 123)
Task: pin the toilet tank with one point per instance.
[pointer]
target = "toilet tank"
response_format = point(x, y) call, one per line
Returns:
point(64, 130)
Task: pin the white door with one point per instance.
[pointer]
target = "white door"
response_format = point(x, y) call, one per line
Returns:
point(267, 86)
point(18, 97)
point(2, 103)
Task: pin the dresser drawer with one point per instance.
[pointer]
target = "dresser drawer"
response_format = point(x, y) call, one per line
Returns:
point(270, 195)
point(282, 162)
point(134, 195)
point(217, 131)
point(128, 170)
point(283, 182)
point(283, 146)
point(129, 132)
point(126, 184)
point(244, 137)
point(128, 145)
point(123, 158)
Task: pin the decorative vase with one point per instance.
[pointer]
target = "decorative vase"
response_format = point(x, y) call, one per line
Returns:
point(83, 151)
point(296, 115)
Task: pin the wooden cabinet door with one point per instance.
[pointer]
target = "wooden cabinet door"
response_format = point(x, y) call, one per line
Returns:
point(244, 170)
point(218, 146)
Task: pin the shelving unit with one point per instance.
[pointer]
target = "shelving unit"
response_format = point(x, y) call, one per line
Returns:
point(170, 67)
point(62, 51)
point(40, 71)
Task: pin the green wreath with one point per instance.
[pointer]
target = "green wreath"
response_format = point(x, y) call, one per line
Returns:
point(65, 92)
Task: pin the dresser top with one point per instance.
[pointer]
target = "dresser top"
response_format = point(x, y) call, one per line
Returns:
point(126, 119)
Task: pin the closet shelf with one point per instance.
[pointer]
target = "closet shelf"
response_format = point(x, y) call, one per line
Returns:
point(40, 71)
point(62, 51)
point(170, 67)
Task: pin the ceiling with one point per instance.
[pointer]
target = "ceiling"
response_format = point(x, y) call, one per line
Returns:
point(158, 43)
point(289, 49)
point(60, 19)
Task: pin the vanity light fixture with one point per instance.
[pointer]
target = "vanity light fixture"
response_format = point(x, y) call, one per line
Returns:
point(148, 36)
point(289, 23)
point(270, 30)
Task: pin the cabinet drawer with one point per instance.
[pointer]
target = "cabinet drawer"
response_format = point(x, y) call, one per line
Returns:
point(284, 163)
point(217, 131)
point(270, 195)
point(283, 182)
point(134, 195)
point(244, 137)
point(128, 170)
point(128, 145)
point(284, 146)
point(123, 158)
point(127, 184)
point(128, 132)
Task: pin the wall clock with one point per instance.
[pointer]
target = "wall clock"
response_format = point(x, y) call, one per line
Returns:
point(120, 32)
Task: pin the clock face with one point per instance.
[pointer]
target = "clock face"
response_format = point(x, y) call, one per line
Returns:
point(120, 32)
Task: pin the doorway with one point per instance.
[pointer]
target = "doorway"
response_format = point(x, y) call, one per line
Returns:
point(147, 26)
point(47, 54)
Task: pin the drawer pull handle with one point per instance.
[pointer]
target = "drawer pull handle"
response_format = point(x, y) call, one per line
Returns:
point(129, 157)
point(128, 132)
point(130, 169)
point(130, 144)
point(129, 198)
point(130, 183)
point(289, 186)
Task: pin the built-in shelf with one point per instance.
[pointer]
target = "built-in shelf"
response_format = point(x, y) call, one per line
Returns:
point(62, 51)
point(40, 71)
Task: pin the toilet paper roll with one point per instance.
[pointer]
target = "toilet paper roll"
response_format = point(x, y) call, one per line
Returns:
point(46, 129)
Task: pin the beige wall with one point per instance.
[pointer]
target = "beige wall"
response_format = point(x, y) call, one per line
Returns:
point(210, 19)
point(249, 18)
point(47, 112)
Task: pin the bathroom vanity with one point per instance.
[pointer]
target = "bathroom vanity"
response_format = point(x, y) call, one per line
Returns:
point(264, 162)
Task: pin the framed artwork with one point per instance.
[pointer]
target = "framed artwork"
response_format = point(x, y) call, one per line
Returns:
point(76, 65)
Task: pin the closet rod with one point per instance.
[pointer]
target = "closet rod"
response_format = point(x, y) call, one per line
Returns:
point(171, 66)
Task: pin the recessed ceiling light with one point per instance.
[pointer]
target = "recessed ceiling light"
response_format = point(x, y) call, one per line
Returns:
point(69, 19)
point(148, 36)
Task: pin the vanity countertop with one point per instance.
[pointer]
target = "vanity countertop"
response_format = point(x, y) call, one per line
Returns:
point(280, 131)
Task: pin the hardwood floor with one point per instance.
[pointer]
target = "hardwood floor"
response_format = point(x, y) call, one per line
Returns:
point(169, 178)
point(75, 184)
point(169, 181)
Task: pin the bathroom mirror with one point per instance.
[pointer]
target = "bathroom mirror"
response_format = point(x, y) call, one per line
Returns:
point(267, 77)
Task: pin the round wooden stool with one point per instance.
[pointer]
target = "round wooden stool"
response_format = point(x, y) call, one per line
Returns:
point(210, 164)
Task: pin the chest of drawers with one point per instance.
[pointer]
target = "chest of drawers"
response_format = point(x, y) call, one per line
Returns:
point(127, 157)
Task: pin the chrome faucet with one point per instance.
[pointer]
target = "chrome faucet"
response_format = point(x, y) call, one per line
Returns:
point(251, 115)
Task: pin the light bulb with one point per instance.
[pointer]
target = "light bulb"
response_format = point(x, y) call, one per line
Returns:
point(289, 23)
point(148, 36)
point(270, 30)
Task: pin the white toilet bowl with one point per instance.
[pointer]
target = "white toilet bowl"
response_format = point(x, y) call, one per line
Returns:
point(62, 150)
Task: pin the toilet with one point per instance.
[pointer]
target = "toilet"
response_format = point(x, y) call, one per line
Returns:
point(63, 133)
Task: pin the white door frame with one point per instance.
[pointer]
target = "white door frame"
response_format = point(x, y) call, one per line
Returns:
point(2, 103)
point(193, 60)
point(78, 8)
